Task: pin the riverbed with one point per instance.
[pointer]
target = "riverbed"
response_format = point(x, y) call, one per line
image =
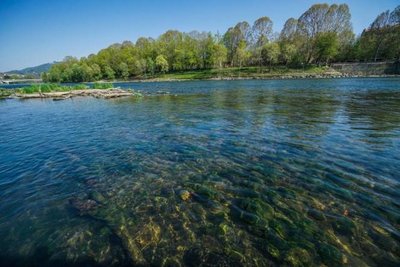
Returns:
point(212, 173)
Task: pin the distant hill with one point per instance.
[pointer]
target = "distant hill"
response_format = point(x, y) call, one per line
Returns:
point(35, 71)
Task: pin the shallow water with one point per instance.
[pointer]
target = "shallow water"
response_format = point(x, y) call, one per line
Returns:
point(252, 173)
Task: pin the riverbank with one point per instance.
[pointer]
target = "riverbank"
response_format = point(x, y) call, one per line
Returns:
point(282, 77)
point(257, 73)
point(337, 70)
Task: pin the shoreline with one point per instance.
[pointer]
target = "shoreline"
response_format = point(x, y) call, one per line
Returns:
point(293, 76)
point(281, 77)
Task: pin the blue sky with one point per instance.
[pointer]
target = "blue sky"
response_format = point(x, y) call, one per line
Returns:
point(33, 32)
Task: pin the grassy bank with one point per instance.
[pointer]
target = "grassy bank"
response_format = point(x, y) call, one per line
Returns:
point(245, 72)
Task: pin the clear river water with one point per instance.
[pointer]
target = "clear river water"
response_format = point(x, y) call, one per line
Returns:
point(213, 173)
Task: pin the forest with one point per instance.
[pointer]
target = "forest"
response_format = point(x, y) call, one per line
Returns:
point(321, 35)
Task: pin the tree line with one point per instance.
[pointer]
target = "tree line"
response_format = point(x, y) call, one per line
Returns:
point(321, 35)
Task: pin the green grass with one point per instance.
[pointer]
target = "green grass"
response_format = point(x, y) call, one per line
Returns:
point(245, 72)
point(49, 87)
point(53, 87)
point(102, 85)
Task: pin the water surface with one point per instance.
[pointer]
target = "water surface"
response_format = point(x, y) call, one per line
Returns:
point(224, 173)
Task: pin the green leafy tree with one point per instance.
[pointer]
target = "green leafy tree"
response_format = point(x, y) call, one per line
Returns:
point(96, 72)
point(162, 64)
point(327, 46)
point(108, 73)
point(322, 18)
point(241, 53)
point(123, 70)
point(270, 54)
point(219, 54)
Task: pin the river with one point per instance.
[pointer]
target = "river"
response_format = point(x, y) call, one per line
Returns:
point(211, 173)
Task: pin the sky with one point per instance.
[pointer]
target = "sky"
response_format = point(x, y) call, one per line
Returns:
point(34, 32)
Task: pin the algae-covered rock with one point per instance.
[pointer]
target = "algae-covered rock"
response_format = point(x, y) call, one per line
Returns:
point(206, 257)
point(205, 191)
point(184, 195)
point(257, 207)
point(330, 255)
point(83, 205)
point(97, 196)
point(244, 216)
point(273, 252)
point(298, 257)
point(317, 215)
point(344, 226)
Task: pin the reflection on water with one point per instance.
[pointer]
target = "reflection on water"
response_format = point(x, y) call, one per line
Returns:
point(240, 173)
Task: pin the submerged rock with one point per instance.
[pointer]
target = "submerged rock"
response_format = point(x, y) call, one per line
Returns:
point(330, 255)
point(298, 257)
point(83, 205)
point(317, 215)
point(344, 226)
point(184, 195)
point(204, 257)
point(257, 207)
point(97, 196)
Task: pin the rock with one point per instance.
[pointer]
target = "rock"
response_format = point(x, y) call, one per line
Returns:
point(298, 257)
point(257, 207)
point(244, 216)
point(330, 255)
point(344, 226)
point(83, 205)
point(273, 251)
point(185, 195)
point(98, 197)
point(98, 93)
point(317, 215)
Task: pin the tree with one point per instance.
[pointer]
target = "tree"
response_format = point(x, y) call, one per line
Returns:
point(43, 76)
point(108, 73)
point(289, 30)
point(288, 52)
point(262, 31)
point(241, 53)
point(261, 34)
point(322, 18)
point(161, 64)
point(219, 53)
point(54, 74)
point(270, 53)
point(379, 26)
point(123, 70)
point(240, 34)
point(96, 72)
point(381, 21)
point(168, 44)
point(327, 45)
point(395, 16)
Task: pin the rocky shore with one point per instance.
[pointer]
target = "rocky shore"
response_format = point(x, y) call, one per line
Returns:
point(273, 77)
point(98, 93)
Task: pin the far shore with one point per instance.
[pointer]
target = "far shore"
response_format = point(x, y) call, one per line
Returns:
point(337, 70)
point(228, 78)
point(282, 77)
